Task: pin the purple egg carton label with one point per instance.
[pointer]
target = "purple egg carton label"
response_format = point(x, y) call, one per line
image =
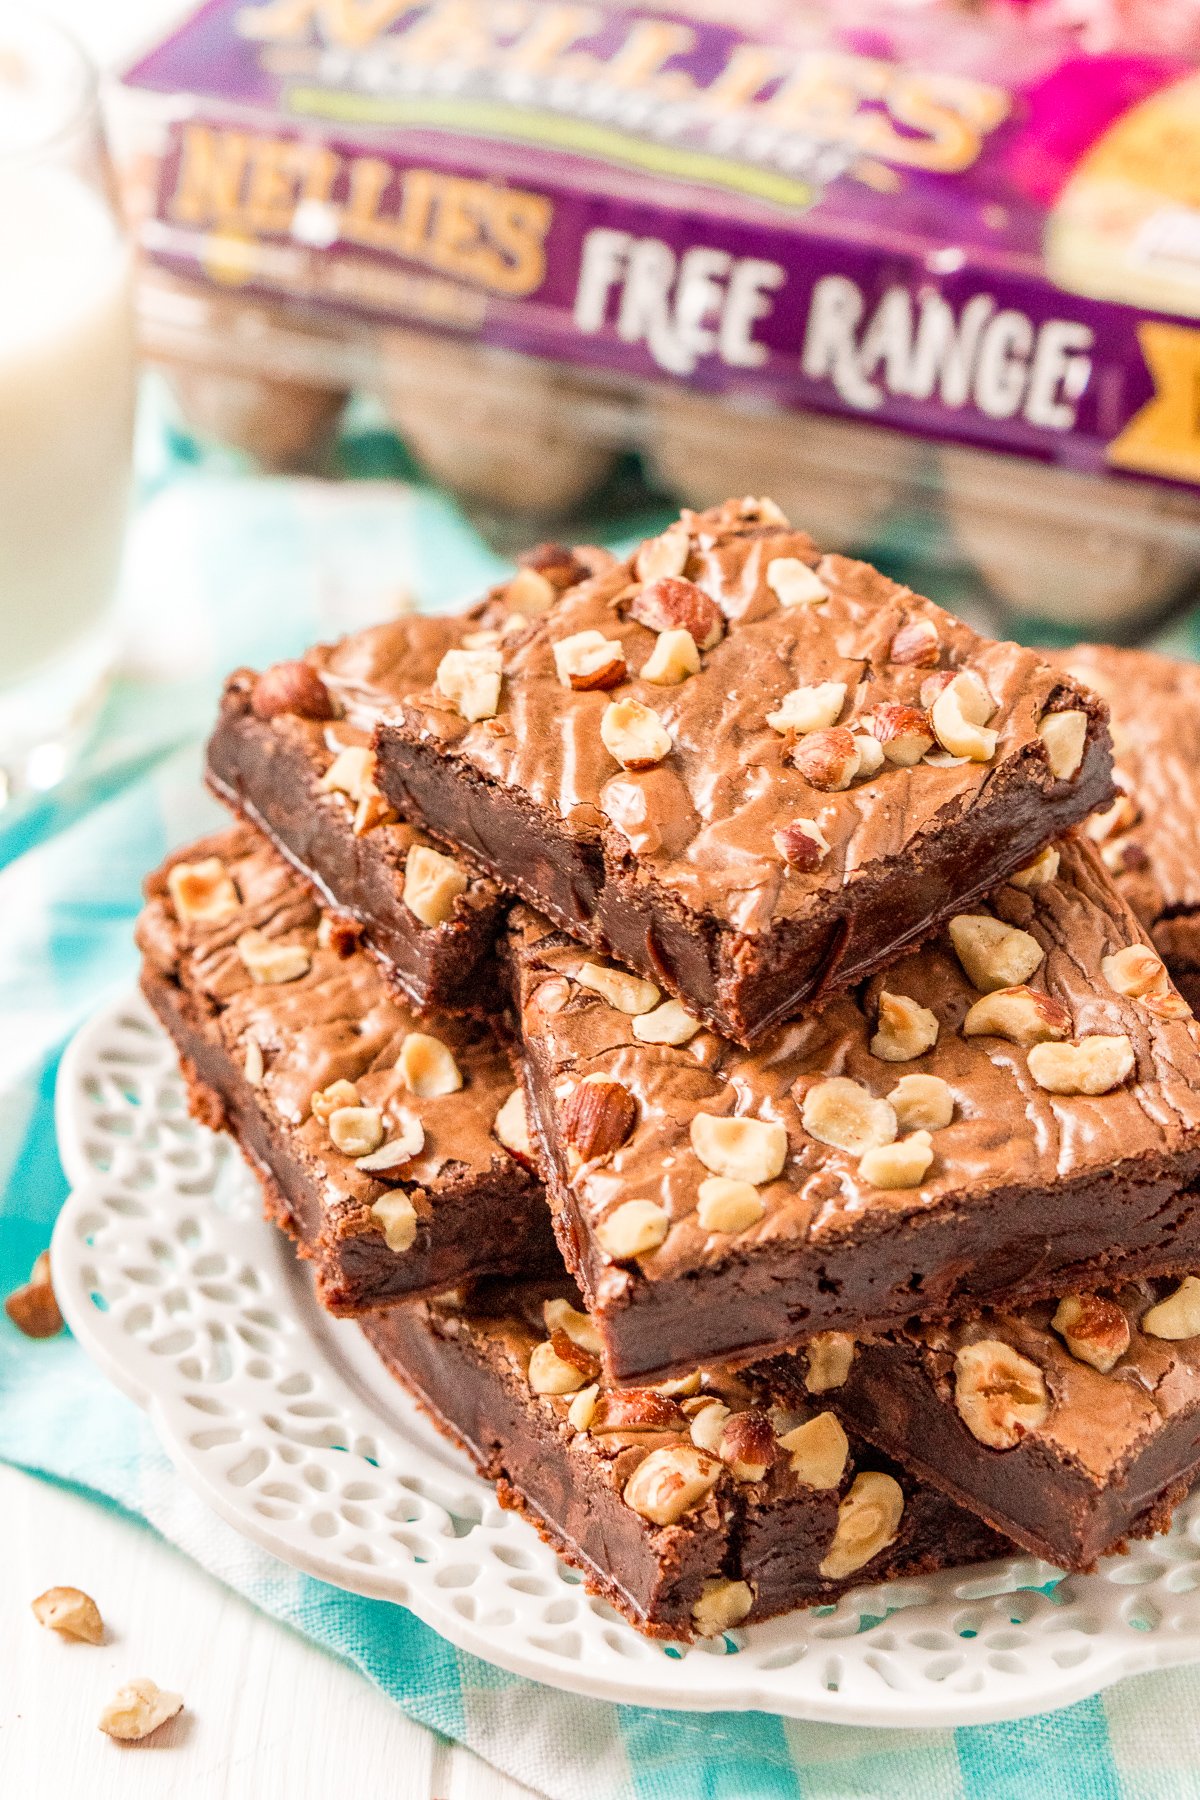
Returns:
point(966, 230)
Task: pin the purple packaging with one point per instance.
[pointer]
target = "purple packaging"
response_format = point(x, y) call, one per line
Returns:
point(956, 223)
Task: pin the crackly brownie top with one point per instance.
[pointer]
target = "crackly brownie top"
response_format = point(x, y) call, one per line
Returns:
point(1105, 1373)
point(807, 686)
point(1150, 837)
point(300, 1009)
point(1035, 1040)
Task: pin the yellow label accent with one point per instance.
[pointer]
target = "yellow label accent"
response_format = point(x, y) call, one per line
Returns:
point(228, 257)
point(1163, 437)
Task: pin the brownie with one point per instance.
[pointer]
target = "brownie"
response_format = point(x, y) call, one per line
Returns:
point(690, 1512)
point(1150, 837)
point(270, 760)
point(756, 833)
point(270, 1011)
point(1068, 1428)
point(852, 1171)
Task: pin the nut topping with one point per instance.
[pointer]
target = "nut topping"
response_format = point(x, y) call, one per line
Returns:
point(1042, 869)
point(269, 962)
point(915, 645)
point(666, 554)
point(870, 755)
point(557, 563)
point(531, 592)
point(903, 733)
point(1000, 1395)
point(1094, 1329)
point(708, 1425)
point(751, 1150)
point(470, 680)
point(844, 1115)
point(356, 1130)
point(634, 734)
point(903, 1164)
point(904, 1030)
point(1135, 972)
point(666, 1024)
point(868, 1521)
point(398, 1217)
point(202, 893)
point(583, 1407)
point(731, 1206)
point(672, 604)
point(1094, 1065)
point(747, 1445)
point(352, 772)
point(587, 659)
point(1178, 1316)
point(802, 845)
point(1019, 1014)
point(960, 713)
point(558, 1366)
point(628, 993)
point(922, 1102)
point(829, 1356)
point(722, 1605)
point(290, 687)
point(993, 954)
point(511, 1126)
point(818, 1450)
point(807, 709)
point(137, 1709)
point(33, 1308)
point(254, 1066)
point(326, 1101)
point(560, 1315)
point(1121, 816)
point(828, 760)
point(427, 1067)
point(671, 1482)
point(408, 1142)
point(673, 658)
point(70, 1611)
point(597, 1118)
point(632, 1229)
point(432, 884)
point(793, 583)
point(1065, 736)
point(636, 1409)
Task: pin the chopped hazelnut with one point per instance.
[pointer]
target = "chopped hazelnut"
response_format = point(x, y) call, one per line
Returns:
point(1094, 1065)
point(844, 1115)
point(666, 554)
point(1178, 1316)
point(253, 1065)
point(793, 583)
point(868, 1521)
point(828, 760)
point(137, 1709)
point(582, 1409)
point(722, 1605)
point(1120, 817)
point(270, 962)
point(903, 1164)
point(806, 709)
point(1135, 972)
point(673, 658)
point(432, 884)
point(470, 680)
point(1000, 1394)
point(597, 1117)
point(634, 734)
point(632, 1229)
point(905, 1029)
point(326, 1101)
point(1019, 1014)
point(398, 1216)
point(356, 1130)
point(202, 893)
point(70, 1611)
point(628, 993)
point(1094, 1329)
point(33, 1308)
point(870, 755)
point(802, 845)
point(552, 1373)
point(902, 732)
point(511, 1125)
point(818, 1451)
point(708, 1425)
point(741, 1149)
point(560, 1315)
point(290, 687)
point(993, 954)
point(922, 1102)
point(427, 1067)
point(1037, 873)
point(587, 660)
point(558, 563)
point(671, 1482)
point(829, 1355)
point(672, 604)
point(747, 1446)
point(731, 1206)
point(408, 1142)
point(530, 593)
point(666, 1024)
point(352, 772)
point(960, 713)
point(1065, 736)
point(916, 645)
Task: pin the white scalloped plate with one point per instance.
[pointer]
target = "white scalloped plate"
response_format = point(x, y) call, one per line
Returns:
point(283, 1420)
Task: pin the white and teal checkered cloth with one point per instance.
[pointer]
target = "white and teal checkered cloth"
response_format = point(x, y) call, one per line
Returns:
point(223, 572)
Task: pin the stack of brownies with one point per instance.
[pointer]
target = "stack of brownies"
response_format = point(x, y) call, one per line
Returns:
point(709, 1017)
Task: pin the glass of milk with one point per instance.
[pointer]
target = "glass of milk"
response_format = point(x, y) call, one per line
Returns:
point(66, 399)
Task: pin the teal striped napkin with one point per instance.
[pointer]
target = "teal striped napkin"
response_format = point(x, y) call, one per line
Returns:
point(226, 571)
